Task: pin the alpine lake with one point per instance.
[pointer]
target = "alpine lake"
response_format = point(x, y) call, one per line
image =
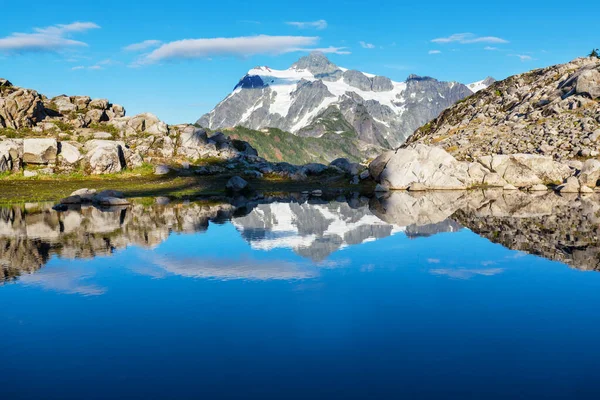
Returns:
point(441, 294)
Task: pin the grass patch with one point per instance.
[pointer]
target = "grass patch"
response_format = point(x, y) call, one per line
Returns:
point(113, 130)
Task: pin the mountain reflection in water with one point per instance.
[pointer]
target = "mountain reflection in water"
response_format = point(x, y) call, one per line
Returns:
point(561, 228)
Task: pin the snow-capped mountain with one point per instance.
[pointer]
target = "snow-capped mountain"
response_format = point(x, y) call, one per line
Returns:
point(480, 85)
point(315, 97)
point(316, 230)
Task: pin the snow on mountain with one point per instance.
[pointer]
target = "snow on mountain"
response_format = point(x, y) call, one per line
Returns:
point(317, 230)
point(315, 97)
point(480, 85)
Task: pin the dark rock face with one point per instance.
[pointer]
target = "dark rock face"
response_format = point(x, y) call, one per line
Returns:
point(250, 82)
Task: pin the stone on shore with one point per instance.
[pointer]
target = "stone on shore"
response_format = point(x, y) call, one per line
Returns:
point(161, 170)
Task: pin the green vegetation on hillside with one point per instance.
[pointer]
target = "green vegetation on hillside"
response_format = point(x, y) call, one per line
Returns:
point(595, 53)
point(276, 145)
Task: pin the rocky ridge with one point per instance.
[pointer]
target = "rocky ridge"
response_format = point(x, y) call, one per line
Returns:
point(553, 111)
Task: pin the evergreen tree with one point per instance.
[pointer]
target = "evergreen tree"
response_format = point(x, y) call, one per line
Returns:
point(595, 53)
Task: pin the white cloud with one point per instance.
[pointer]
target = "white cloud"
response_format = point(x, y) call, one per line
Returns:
point(52, 38)
point(326, 50)
point(434, 52)
point(146, 44)
point(522, 57)
point(238, 46)
point(465, 273)
point(490, 48)
point(468, 38)
point(366, 45)
point(61, 29)
point(320, 24)
point(99, 65)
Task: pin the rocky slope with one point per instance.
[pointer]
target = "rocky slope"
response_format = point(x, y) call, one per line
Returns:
point(315, 97)
point(553, 111)
point(80, 134)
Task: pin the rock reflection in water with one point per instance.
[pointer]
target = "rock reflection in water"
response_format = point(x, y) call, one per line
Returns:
point(556, 227)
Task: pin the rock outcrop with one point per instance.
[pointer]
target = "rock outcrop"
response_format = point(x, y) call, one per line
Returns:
point(553, 111)
point(421, 167)
point(77, 133)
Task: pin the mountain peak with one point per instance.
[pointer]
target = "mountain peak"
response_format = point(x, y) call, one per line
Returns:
point(316, 62)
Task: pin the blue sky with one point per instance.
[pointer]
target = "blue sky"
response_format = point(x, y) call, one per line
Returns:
point(85, 48)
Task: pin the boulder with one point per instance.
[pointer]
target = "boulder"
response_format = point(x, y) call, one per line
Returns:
point(192, 137)
point(11, 153)
point(96, 116)
point(99, 104)
point(40, 151)
point(63, 104)
point(588, 83)
point(377, 166)
point(161, 170)
point(236, 184)
point(71, 200)
point(432, 167)
point(68, 153)
point(85, 195)
point(21, 108)
point(110, 201)
point(590, 173)
point(523, 170)
point(570, 186)
point(314, 169)
point(105, 156)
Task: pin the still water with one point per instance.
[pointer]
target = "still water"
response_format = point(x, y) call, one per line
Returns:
point(477, 295)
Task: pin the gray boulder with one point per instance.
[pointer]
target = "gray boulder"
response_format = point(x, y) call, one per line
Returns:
point(431, 167)
point(161, 170)
point(69, 154)
point(40, 151)
point(104, 156)
point(590, 173)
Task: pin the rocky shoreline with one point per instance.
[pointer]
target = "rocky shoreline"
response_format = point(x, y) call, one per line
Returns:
point(421, 167)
